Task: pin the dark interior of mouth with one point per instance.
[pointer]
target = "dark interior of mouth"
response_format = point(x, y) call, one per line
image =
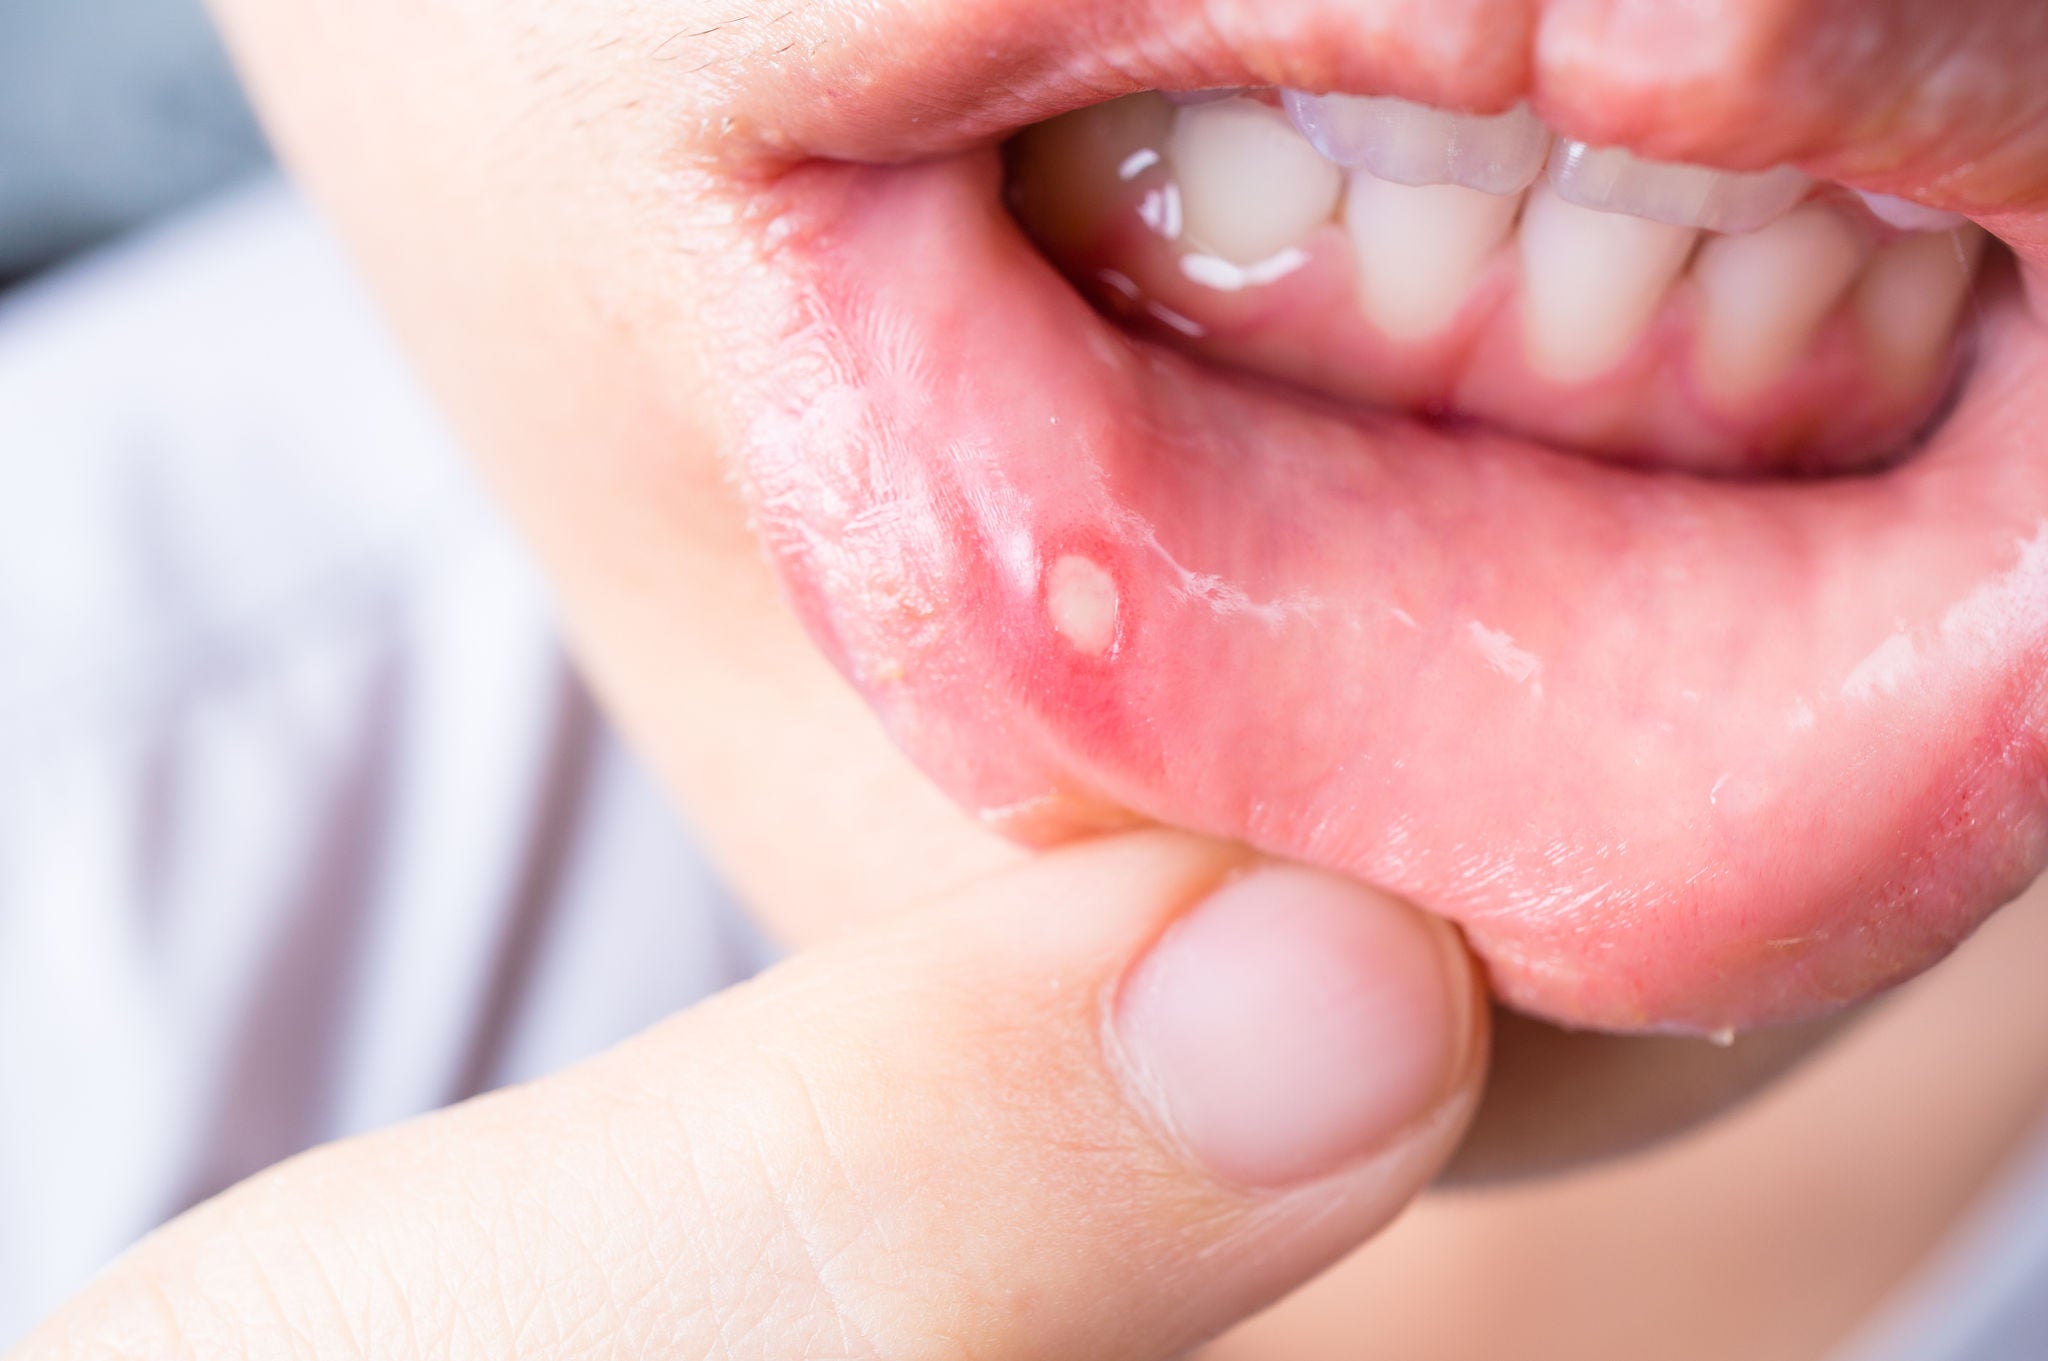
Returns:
point(1480, 269)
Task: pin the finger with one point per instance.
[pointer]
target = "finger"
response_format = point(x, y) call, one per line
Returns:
point(1099, 1108)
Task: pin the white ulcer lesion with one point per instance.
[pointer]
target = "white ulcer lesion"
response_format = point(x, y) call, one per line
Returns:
point(1082, 604)
point(1432, 200)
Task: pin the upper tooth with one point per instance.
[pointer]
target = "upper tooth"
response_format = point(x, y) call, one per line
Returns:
point(1250, 187)
point(1419, 251)
point(1414, 144)
point(1062, 166)
point(1618, 181)
point(1591, 283)
point(1909, 216)
point(1764, 295)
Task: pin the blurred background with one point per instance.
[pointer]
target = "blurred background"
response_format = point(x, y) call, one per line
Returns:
point(111, 112)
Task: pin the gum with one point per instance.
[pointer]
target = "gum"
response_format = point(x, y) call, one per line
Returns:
point(1073, 189)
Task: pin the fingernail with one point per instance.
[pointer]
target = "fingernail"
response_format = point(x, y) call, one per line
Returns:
point(1290, 1023)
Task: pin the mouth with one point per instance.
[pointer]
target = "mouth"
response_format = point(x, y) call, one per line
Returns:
point(1645, 566)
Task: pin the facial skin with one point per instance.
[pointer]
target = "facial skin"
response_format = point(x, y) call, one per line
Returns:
point(554, 203)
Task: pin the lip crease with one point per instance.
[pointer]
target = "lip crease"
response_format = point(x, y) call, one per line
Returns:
point(1678, 754)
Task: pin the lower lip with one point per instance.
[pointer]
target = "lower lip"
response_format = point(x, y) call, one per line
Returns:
point(1678, 755)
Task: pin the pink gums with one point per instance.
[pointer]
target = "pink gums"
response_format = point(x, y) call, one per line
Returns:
point(1678, 754)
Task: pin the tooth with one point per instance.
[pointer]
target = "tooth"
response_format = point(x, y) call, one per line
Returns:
point(1910, 298)
point(1416, 145)
point(1764, 295)
point(1250, 187)
point(1909, 216)
point(1419, 251)
point(1066, 171)
point(1591, 283)
point(1617, 181)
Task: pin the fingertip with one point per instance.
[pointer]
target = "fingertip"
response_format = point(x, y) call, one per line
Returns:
point(1293, 1022)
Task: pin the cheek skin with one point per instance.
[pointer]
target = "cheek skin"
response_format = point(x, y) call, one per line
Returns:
point(545, 280)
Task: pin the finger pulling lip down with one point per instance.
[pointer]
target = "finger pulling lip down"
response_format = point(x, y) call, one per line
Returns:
point(1678, 754)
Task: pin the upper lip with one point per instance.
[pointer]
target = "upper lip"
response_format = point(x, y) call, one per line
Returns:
point(1644, 847)
point(1938, 102)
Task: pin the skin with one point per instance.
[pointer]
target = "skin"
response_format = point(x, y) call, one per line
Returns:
point(537, 193)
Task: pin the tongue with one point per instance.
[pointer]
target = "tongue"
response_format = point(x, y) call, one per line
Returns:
point(1678, 755)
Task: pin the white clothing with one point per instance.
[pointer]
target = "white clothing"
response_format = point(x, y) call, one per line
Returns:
point(306, 824)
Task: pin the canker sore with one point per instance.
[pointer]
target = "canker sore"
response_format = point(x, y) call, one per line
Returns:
point(1081, 599)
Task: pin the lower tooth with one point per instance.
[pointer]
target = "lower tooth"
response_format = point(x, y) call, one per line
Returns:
point(1250, 186)
point(1591, 284)
point(1764, 295)
point(1420, 251)
point(1910, 298)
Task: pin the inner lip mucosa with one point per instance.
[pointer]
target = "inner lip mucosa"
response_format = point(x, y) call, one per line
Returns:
point(1678, 752)
point(1474, 266)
